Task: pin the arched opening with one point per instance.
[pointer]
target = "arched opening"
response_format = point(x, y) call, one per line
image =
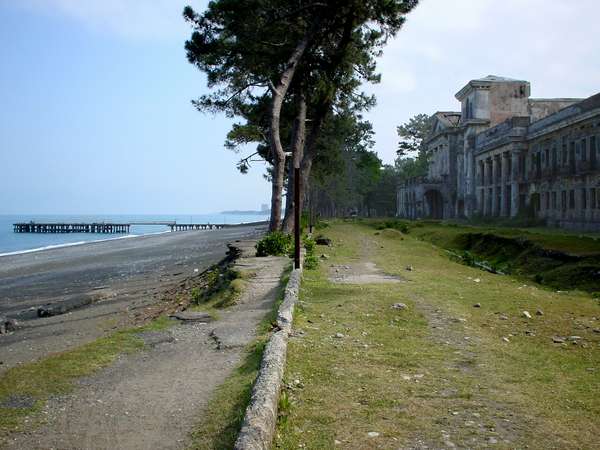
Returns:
point(435, 204)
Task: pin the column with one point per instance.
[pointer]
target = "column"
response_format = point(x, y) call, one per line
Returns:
point(504, 180)
point(514, 183)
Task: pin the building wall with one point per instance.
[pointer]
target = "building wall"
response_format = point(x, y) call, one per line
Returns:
point(513, 155)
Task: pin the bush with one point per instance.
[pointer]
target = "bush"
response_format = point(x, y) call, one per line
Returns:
point(309, 245)
point(311, 262)
point(275, 243)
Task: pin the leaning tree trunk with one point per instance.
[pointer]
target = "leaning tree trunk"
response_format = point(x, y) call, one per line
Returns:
point(295, 161)
point(279, 93)
point(323, 108)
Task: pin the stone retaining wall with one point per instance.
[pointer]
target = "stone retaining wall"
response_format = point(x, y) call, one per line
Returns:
point(260, 420)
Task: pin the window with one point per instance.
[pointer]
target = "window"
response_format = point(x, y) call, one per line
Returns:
point(583, 198)
point(572, 199)
point(563, 200)
point(547, 195)
point(593, 198)
point(583, 147)
point(547, 157)
point(554, 206)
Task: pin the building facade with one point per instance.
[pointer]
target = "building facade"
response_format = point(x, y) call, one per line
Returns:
point(506, 154)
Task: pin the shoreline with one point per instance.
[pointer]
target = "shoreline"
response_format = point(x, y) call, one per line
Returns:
point(128, 236)
point(116, 279)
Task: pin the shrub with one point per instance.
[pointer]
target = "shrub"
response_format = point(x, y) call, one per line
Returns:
point(309, 245)
point(275, 243)
point(311, 262)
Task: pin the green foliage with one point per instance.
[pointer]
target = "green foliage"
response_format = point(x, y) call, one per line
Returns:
point(309, 245)
point(412, 134)
point(311, 262)
point(275, 243)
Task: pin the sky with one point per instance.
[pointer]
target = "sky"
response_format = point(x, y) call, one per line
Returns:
point(95, 112)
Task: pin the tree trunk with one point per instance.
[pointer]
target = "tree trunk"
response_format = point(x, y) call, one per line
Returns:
point(298, 153)
point(323, 108)
point(279, 93)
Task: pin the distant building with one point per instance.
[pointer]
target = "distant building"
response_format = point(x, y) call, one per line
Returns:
point(506, 154)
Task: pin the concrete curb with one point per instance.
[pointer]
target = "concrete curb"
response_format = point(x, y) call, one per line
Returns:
point(260, 419)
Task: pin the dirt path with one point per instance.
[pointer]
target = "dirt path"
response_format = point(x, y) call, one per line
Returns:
point(152, 400)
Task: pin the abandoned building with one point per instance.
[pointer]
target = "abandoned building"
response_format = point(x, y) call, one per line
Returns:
point(506, 154)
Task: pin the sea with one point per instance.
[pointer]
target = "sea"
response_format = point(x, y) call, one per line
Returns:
point(14, 243)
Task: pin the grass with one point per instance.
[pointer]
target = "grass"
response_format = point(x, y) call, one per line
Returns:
point(558, 259)
point(394, 374)
point(36, 382)
point(222, 418)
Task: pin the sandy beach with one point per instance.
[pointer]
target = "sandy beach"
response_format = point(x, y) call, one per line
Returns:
point(119, 278)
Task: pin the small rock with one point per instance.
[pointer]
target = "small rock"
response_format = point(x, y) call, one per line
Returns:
point(526, 314)
point(196, 270)
point(324, 256)
point(339, 335)
point(476, 280)
point(399, 306)
point(574, 338)
point(558, 340)
point(372, 434)
point(505, 339)
point(492, 440)
point(596, 330)
point(336, 442)
point(529, 333)
point(539, 312)
point(449, 444)
point(477, 305)
point(503, 317)
point(409, 268)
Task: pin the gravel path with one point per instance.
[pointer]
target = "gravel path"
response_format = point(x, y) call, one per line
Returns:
point(151, 400)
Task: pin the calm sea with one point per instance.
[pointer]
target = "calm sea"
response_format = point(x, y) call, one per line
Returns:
point(11, 242)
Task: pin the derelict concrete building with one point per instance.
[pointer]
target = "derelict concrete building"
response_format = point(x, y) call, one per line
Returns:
point(506, 154)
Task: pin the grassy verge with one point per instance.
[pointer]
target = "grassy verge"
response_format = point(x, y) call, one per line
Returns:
point(25, 389)
point(441, 370)
point(559, 259)
point(222, 419)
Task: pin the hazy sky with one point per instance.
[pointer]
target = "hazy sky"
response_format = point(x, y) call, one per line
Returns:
point(95, 113)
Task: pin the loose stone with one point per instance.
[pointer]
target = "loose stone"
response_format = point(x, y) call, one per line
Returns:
point(399, 306)
point(526, 314)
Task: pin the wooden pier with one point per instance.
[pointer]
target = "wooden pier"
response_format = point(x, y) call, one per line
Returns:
point(106, 228)
point(114, 228)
